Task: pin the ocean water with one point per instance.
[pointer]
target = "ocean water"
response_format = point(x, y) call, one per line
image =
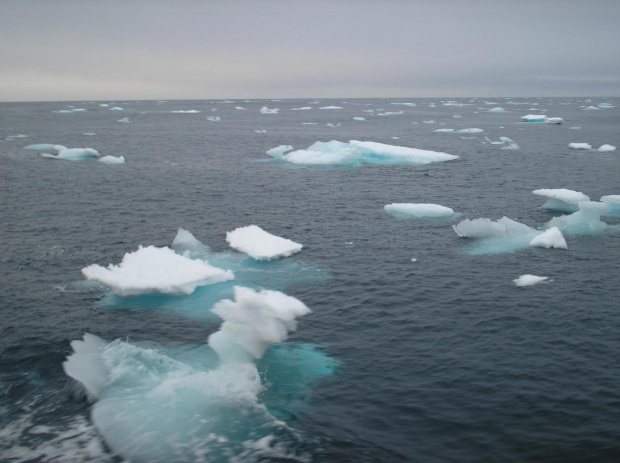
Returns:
point(438, 359)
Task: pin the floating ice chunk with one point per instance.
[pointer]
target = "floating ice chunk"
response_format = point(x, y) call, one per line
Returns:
point(554, 120)
point(253, 322)
point(305, 108)
point(508, 144)
point(278, 151)
point(391, 113)
point(529, 280)
point(45, 147)
point(116, 108)
point(443, 131)
point(331, 107)
point(429, 122)
point(473, 130)
point(358, 152)
point(591, 108)
point(261, 131)
point(605, 106)
point(606, 148)
point(486, 228)
point(404, 104)
point(497, 110)
point(580, 146)
point(421, 211)
point(552, 238)
point(189, 111)
point(73, 154)
point(534, 118)
point(156, 270)
point(112, 159)
point(359, 118)
point(214, 118)
point(613, 201)
point(124, 120)
point(266, 110)
point(331, 124)
point(586, 221)
point(259, 244)
point(561, 199)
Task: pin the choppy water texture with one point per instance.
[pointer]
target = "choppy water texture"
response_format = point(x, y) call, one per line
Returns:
point(417, 348)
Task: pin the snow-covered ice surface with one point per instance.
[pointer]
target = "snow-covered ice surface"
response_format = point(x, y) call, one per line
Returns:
point(156, 270)
point(261, 245)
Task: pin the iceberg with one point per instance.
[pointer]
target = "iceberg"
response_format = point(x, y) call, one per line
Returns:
point(259, 244)
point(156, 270)
point(73, 154)
point(552, 238)
point(561, 199)
point(357, 153)
point(421, 211)
point(529, 280)
point(112, 159)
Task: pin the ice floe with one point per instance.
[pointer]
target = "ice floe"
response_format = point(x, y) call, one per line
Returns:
point(156, 270)
point(357, 153)
point(606, 148)
point(529, 280)
point(112, 159)
point(586, 221)
point(424, 211)
point(259, 244)
point(541, 118)
point(561, 199)
point(189, 111)
point(580, 146)
point(73, 154)
point(613, 201)
point(505, 142)
point(266, 110)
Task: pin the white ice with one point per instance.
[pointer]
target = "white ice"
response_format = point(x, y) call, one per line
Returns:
point(45, 147)
point(534, 118)
point(253, 322)
point(189, 111)
point(486, 228)
point(124, 120)
point(331, 107)
point(156, 270)
point(529, 280)
point(497, 110)
point(266, 110)
point(554, 120)
point(112, 159)
point(73, 154)
point(359, 118)
point(613, 201)
point(358, 152)
point(561, 199)
point(586, 221)
point(421, 210)
point(606, 148)
point(259, 244)
point(552, 238)
point(580, 146)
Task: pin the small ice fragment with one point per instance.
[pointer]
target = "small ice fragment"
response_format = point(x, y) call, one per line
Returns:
point(580, 146)
point(606, 148)
point(529, 280)
point(124, 120)
point(112, 160)
point(259, 244)
point(551, 238)
point(266, 110)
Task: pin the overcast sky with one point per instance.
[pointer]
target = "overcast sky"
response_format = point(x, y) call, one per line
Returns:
point(204, 49)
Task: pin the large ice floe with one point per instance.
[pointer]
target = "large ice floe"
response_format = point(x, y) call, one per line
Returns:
point(356, 153)
point(228, 400)
point(156, 270)
point(423, 211)
point(259, 244)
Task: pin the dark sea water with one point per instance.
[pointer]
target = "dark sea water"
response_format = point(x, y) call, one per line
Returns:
point(441, 359)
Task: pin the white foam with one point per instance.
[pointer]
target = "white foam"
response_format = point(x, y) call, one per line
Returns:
point(259, 244)
point(156, 270)
point(529, 280)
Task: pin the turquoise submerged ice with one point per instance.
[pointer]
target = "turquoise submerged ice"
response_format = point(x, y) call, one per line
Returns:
point(357, 153)
point(205, 403)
